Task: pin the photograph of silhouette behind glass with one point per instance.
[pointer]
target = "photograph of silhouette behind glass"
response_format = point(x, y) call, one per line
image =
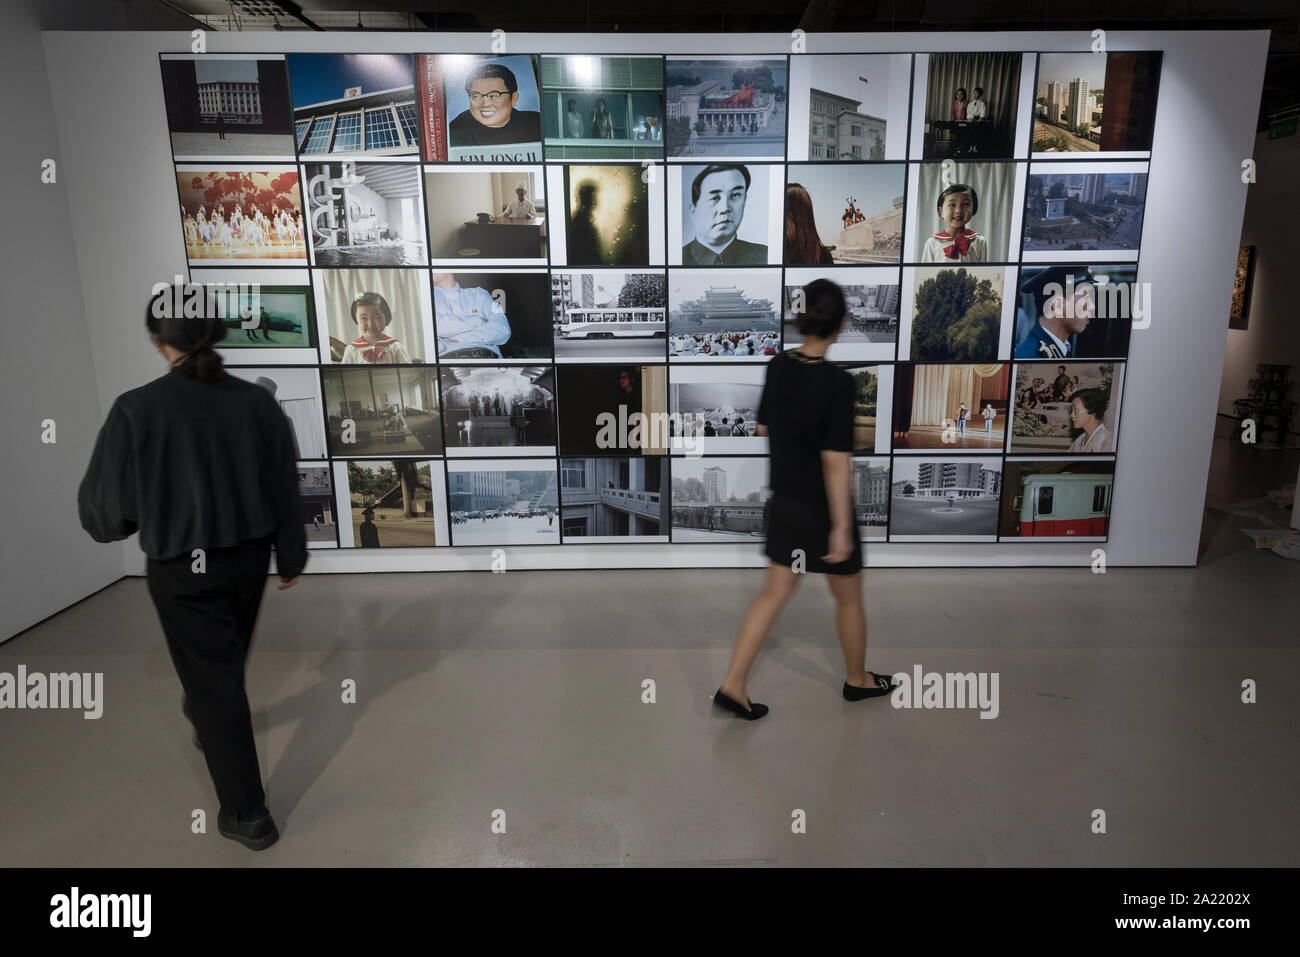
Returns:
point(488, 316)
point(614, 408)
point(971, 105)
point(384, 410)
point(487, 408)
point(607, 220)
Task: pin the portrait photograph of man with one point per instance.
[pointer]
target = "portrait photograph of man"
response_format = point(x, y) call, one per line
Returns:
point(723, 203)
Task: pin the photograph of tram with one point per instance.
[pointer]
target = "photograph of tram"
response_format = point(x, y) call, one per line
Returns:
point(608, 315)
point(1057, 500)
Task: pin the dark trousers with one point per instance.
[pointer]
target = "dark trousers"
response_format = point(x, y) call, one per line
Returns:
point(208, 619)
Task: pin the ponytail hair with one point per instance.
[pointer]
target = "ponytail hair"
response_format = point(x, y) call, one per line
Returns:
point(194, 336)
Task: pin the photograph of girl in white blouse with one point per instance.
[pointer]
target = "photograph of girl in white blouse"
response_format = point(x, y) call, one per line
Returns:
point(372, 316)
point(956, 242)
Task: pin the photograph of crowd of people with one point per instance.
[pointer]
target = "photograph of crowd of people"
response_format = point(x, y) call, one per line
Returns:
point(870, 478)
point(958, 314)
point(725, 216)
point(484, 317)
point(844, 101)
point(394, 503)
point(957, 408)
point(723, 315)
point(1057, 500)
point(871, 299)
point(715, 411)
point(228, 106)
point(846, 213)
point(719, 499)
point(1089, 103)
point(944, 499)
point(365, 214)
point(375, 316)
point(611, 315)
point(971, 105)
point(486, 408)
point(1077, 311)
point(613, 409)
point(1073, 210)
point(389, 410)
point(606, 216)
point(725, 107)
point(250, 215)
point(613, 499)
point(490, 215)
point(316, 495)
point(968, 220)
point(354, 105)
point(297, 391)
point(503, 502)
point(1067, 407)
point(603, 107)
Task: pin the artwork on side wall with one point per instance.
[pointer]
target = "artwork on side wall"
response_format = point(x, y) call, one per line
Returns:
point(1242, 280)
point(1057, 500)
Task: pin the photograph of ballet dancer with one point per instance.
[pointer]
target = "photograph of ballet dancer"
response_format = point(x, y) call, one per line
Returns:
point(248, 215)
point(956, 408)
point(719, 499)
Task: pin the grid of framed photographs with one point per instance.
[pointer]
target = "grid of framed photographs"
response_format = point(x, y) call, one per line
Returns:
point(527, 299)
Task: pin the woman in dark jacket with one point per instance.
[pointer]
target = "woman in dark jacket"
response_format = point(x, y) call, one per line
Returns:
point(202, 465)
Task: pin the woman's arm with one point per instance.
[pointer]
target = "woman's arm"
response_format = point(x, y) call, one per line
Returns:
point(106, 500)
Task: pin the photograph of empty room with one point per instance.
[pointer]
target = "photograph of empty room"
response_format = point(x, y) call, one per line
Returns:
point(486, 214)
point(953, 407)
point(387, 410)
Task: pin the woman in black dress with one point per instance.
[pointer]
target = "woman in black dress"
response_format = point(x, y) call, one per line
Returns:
point(807, 414)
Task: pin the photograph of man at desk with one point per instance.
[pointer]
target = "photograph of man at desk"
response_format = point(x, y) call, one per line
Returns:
point(493, 215)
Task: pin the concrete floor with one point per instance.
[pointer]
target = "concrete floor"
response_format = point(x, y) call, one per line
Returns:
point(479, 692)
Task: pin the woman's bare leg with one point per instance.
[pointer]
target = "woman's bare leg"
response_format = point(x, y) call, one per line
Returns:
point(762, 612)
point(851, 625)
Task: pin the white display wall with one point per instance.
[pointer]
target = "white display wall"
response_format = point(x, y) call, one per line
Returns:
point(118, 166)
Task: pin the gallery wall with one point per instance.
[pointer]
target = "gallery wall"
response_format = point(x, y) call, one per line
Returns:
point(1272, 335)
point(49, 562)
point(110, 108)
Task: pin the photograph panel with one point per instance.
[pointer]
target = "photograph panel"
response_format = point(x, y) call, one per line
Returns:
point(972, 105)
point(610, 315)
point(613, 409)
point(384, 410)
point(235, 105)
point(850, 105)
point(844, 214)
point(613, 499)
point(354, 104)
point(725, 214)
point(241, 215)
point(972, 219)
point(726, 107)
point(1068, 212)
point(1078, 311)
point(504, 502)
point(955, 408)
point(491, 316)
point(1086, 103)
point(603, 107)
point(269, 314)
point(1067, 407)
point(714, 410)
point(871, 491)
point(365, 214)
point(488, 408)
point(392, 503)
point(298, 393)
point(319, 511)
point(714, 314)
point(952, 500)
point(719, 499)
point(1061, 500)
point(492, 108)
point(375, 316)
point(490, 215)
point(957, 313)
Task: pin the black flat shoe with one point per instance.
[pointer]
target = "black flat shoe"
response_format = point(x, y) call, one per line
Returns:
point(256, 835)
point(882, 686)
point(752, 713)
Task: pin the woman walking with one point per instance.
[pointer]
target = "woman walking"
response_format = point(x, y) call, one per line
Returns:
point(806, 411)
point(201, 464)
